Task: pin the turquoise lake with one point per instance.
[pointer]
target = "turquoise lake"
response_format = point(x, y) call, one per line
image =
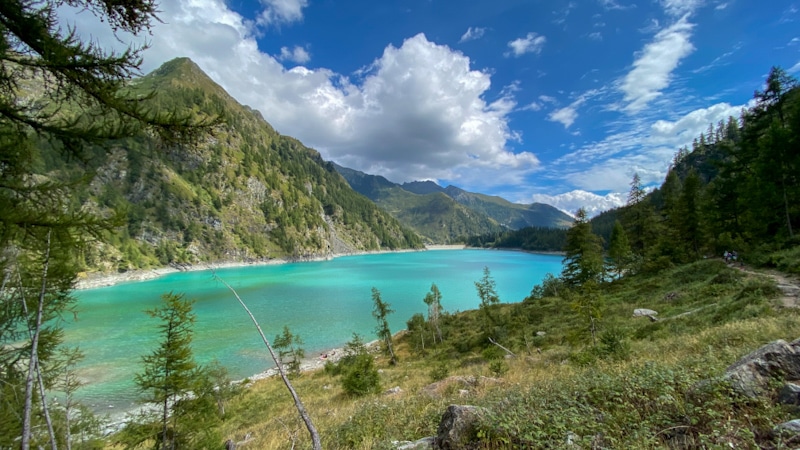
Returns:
point(324, 302)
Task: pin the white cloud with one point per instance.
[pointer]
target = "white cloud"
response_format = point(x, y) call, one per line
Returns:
point(677, 8)
point(596, 36)
point(795, 68)
point(566, 116)
point(653, 67)
point(417, 112)
point(531, 43)
point(297, 54)
point(681, 132)
point(472, 34)
point(277, 12)
point(594, 204)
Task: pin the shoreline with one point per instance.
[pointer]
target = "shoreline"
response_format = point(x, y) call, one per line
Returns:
point(116, 420)
point(94, 280)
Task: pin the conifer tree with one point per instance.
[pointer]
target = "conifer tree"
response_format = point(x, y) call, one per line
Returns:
point(61, 97)
point(290, 350)
point(170, 370)
point(381, 312)
point(619, 250)
point(583, 254)
point(434, 301)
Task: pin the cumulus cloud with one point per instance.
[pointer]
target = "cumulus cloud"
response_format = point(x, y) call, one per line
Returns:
point(472, 34)
point(531, 43)
point(653, 67)
point(297, 54)
point(416, 112)
point(594, 204)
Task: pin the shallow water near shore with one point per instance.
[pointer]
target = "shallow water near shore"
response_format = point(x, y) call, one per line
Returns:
point(325, 302)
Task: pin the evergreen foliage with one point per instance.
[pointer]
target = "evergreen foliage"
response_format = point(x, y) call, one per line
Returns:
point(380, 312)
point(290, 350)
point(63, 106)
point(583, 253)
point(170, 371)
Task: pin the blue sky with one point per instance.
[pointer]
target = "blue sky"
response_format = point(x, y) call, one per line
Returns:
point(553, 101)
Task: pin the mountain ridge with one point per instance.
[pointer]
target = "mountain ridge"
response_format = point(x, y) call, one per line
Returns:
point(482, 214)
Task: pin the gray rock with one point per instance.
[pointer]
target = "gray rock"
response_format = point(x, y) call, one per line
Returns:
point(422, 444)
point(750, 376)
point(788, 432)
point(394, 390)
point(642, 312)
point(458, 427)
point(789, 394)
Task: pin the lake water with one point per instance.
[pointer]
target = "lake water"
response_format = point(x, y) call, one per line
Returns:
point(324, 302)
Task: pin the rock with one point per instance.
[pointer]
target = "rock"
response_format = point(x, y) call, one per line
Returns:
point(789, 394)
point(458, 427)
point(394, 390)
point(422, 444)
point(642, 312)
point(788, 432)
point(750, 376)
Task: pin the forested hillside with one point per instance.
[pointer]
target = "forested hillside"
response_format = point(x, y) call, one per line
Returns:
point(736, 189)
point(445, 215)
point(245, 192)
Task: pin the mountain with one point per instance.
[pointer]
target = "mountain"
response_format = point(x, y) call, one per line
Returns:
point(244, 192)
point(447, 214)
point(434, 215)
point(510, 215)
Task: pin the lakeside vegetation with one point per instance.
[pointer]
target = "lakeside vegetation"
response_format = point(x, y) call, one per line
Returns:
point(567, 366)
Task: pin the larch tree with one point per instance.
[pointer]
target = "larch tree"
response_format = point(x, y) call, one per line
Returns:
point(583, 253)
point(434, 301)
point(380, 312)
point(170, 370)
point(62, 103)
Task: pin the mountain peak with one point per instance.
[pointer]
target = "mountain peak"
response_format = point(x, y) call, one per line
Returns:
point(181, 73)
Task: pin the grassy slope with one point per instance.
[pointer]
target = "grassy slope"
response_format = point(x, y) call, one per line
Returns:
point(637, 401)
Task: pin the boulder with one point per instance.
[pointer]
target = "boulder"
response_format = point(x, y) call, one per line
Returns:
point(750, 376)
point(789, 395)
point(788, 432)
point(458, 428)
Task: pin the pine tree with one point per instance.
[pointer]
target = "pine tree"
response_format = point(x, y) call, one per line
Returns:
point(170, 370)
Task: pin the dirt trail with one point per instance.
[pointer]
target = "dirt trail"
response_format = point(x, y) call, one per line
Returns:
point(787, 284)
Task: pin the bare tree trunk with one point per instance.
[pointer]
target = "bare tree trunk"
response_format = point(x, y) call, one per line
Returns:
point(507, 350)
point(33, 362)
point(315, 439)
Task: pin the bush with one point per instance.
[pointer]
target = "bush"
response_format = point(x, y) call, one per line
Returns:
point(360, 376)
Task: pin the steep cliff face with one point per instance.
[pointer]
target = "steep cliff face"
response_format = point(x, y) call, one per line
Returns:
point(244, 192)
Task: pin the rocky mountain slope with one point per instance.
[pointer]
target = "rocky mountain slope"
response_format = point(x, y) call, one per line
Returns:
point(245, 192)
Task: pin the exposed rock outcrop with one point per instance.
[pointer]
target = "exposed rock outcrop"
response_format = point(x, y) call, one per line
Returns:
point(751, 375)
point(458, 428)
